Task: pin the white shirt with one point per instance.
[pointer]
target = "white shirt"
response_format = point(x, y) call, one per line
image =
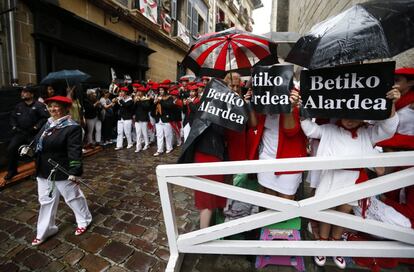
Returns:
point(337, 141)
point(406, 116)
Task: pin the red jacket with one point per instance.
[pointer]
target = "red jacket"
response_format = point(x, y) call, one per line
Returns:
point(292, 142)
point(407, 208)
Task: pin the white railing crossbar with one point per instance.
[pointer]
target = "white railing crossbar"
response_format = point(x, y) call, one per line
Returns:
point(205, 240)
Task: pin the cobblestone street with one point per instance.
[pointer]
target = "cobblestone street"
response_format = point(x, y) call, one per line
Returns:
point(127, 232)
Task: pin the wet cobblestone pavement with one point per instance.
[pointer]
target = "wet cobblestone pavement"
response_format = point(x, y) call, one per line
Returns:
point(127, 232)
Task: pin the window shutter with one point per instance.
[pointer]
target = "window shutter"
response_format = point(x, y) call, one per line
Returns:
point(174, 9)
point(195, 22)
point(189, 13)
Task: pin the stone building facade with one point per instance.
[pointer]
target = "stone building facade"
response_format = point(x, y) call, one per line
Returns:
point(128, 35)
point(303, 14)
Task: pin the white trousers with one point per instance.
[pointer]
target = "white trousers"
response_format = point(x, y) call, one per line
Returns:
point(141, 129)
point(151, 132)
point(94, 124)
point(124, 127)
point(164, 130)
point(73, 196)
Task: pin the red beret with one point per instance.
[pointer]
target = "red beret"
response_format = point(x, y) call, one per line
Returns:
point(407, 71)
point(205, 77)
point(136, 85)
point(201, 84)
point(59, 99)
point(191, 83)
point(184, 79)
point(193, 87)
point(154, 85)
point(124, 89)
point(166, 81)
point(174, 92)
point(142, 89)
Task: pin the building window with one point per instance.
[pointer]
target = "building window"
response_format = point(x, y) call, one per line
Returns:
point(220, 16)
point(174, 9)
point(195, 29)
point(201, 26)
point(189, 16)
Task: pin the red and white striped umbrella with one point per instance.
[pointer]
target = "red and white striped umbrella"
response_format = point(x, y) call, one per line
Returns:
point(230, 50)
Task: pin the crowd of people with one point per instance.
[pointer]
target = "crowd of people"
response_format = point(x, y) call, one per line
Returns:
point(287, 135)
point(142, 113)
point(164, 112)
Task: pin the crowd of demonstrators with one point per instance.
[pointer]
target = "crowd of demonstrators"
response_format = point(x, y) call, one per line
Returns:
point(151, 111)
point(274, 136)
point(144, 112)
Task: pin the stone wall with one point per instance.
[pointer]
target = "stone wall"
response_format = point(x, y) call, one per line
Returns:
point(25, 47)
point(303, 14)
point(162, 63)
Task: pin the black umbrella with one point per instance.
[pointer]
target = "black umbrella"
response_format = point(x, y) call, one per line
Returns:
point(284, 40)
point(71, 77)
point(371, 30)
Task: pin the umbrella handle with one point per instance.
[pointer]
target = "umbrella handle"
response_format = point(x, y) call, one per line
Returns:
point(228, 49)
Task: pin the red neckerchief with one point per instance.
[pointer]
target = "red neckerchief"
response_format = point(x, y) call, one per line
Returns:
point(352, 130)
point(406, 99)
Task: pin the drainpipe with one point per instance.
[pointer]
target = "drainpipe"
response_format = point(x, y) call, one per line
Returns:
point(1, 66)
point(12, 38)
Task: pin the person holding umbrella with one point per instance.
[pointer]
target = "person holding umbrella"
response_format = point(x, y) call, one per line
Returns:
point(345, 138)
point(60, 139)
point(209, 142)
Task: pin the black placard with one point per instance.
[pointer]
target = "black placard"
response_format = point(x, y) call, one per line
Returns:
point(352, 92)
point(271, 88)
point(220, 105)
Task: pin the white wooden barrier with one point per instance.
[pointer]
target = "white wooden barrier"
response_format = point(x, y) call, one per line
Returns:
point(205, 240)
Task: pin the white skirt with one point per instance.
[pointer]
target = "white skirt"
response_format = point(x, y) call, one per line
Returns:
point(335, 180)
point(286, 184)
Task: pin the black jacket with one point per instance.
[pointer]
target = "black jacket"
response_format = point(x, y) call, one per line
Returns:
point(63, 146)
point(190, 110)
point(176, 112)
point(167, 106)
point(142, 108)
point(125, 109)
point(204, 137)
point(90, 111)
point(28, 119)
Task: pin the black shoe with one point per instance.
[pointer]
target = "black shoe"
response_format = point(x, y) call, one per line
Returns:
point(9, 175)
